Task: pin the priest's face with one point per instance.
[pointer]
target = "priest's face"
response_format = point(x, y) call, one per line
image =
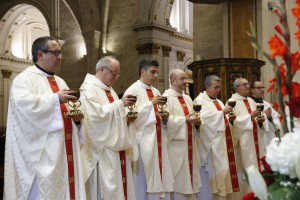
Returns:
point(149, 76)
point(110, 74)
point(243, 88)
point(257, 90)
point(50, 59)
point(180, 81)
point(214, 89)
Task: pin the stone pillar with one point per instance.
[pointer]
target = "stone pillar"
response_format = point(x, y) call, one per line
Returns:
point(4, 96)
point(166, 53)
point(92, 42)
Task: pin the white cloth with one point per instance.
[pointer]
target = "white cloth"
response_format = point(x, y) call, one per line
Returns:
point(144, 128)
point(213, 140)
point(178, 145)
point(34, 155)
point(106, 134)
point(243, 127)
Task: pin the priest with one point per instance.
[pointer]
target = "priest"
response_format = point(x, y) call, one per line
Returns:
point(107, 166)
point(182, 139)
point(42, 154)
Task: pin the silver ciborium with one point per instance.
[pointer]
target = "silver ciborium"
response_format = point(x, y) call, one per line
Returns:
point(231, 115)
point(74, 112)
point(162, 109)
point(197, 108)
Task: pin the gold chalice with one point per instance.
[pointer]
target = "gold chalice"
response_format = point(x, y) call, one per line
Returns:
point(260, 118)
point(74, 112)
point(197, 108)
point(162, 112)
point(132, 115)
point(231, 115)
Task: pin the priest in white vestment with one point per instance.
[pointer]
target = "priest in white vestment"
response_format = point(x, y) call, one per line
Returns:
point(248, 133)
point(152, 172)
point(216, 148)
point(107, 166)
point(182, 138)
point(272, 117)
point(42, 153)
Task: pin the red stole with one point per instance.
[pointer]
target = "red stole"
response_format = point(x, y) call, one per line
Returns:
point(158, 131)
point(68, 138)
point(230, 153)
point(255, 133)
point(121, 153)
point(190, 137)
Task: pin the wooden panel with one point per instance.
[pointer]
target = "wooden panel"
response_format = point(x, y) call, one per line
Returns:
point(228, 69)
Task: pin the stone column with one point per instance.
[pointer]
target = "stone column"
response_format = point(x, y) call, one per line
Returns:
point(4, 96)
point(166, 53)
point(92, 42)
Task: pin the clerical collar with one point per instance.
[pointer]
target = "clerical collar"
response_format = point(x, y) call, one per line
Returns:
point(49, 73)
point(212, 98)
point(257, 100)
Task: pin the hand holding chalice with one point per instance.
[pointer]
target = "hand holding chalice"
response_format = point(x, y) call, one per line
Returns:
point(162, 105)
point(74, 112)
point(197, 108)
point(132, 115)
point(260, 118)
point(231, 115)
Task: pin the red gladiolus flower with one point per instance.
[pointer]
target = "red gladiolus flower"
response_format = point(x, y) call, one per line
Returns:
point(294, 106)
point(278, 29)
point(296, 89)
point(277, 47)
point(250, 196)
point(295, 58)
point(296, 12)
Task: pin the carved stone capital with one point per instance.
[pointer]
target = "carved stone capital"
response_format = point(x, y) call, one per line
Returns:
point(148, 48)
point(180, 56)
point(6, 73)
point(166, 50)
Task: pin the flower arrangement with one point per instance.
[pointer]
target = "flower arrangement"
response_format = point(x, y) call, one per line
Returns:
point(281, 166)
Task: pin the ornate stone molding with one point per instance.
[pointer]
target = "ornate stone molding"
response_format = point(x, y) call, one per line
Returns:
point(166, 50)
point(148, 48)
point(15, 60)
point(164, 29)
point(180, 56)
point(6, 73)
point(209, 1)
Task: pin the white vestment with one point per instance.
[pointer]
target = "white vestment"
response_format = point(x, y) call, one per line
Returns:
point(243, 127)
point(213, 147)
point(178, 147)
point(106, 134)
point(35, 151)
point(144, 128)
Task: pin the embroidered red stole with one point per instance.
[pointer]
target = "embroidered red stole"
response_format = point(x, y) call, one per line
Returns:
point(68, 138)
point(255, 133)
point(122, 154)
point(158, 131)
point(230, 153)
point(190, 137)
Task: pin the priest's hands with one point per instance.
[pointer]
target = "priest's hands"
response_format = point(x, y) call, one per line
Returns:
point(129, 100)
point(158, 100)
point(227, 109)
point(255, 113)
point(65, 95)
point(192, 119)
point(268, 112)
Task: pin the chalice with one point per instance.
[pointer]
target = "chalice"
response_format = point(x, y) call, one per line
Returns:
point(231, 115)
point(132, 114)
point(196, 109)
point(162, 110)
point(260, 118)
point(74, 112)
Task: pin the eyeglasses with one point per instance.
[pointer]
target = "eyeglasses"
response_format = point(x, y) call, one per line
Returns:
point(54, 52)
point(113, 73)
point(244, 84)
point(260, 88)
